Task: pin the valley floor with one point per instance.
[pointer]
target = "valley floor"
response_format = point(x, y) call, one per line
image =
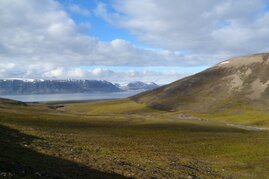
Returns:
point(123, 139)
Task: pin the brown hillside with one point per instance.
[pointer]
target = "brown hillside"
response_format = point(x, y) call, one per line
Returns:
point(232, 83)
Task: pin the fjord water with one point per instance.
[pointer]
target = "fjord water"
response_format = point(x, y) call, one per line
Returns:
point(71, 96)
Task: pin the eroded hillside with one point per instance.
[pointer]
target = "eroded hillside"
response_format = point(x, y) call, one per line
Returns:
point(235, 83)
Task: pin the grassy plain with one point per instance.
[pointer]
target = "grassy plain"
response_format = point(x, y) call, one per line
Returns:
point(248, 116)
point(121, 138)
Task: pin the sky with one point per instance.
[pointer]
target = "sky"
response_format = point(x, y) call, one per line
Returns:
point(127, 40)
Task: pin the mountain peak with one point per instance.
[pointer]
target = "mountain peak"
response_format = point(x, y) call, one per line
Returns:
point(245, 60)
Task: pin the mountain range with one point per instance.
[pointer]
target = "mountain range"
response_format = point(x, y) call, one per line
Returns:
point(39, 86)
point(55, 86)
point(138, 85)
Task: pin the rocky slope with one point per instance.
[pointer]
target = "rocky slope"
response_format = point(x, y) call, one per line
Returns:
point(237, 82)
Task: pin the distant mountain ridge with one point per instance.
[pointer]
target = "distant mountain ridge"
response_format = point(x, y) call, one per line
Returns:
point(138, 85)
point(19, 86)
point(237, 82)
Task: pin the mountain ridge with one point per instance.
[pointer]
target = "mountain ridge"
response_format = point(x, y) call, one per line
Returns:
point(138, 85)
point(39, 86)
point(238, 81)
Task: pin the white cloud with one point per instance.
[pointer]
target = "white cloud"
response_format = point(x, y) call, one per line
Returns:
point(200, 27)
point(160, 77)
point(123, 77)
point(55, 73)
point(33, 31)
point(101, 72)
point(39, 38)
point(75, 8)
point(6, 68)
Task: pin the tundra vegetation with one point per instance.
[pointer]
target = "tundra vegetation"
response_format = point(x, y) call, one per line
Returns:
point(122, 138)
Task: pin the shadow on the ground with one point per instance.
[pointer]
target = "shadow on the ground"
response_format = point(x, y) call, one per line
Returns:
point(17, 161)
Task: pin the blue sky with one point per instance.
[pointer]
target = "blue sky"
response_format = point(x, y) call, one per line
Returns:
point(99, 27)
point(127, 40)
point(105, 31)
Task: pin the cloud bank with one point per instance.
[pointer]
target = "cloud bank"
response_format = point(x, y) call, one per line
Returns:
point(39, 39)
point(199, 27)
point(34, 31)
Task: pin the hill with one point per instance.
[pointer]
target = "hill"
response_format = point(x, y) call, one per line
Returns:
point(6, 102)
point(237, 83)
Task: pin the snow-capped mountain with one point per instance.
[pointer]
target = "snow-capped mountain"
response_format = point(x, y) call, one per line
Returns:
point(40, 86)
point(138, 85)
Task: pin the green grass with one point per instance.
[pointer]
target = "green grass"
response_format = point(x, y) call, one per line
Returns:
point(245, 115)
point(130, 139)
point(123, 106)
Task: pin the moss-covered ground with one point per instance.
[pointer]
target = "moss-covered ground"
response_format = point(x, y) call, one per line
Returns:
point(121, 138)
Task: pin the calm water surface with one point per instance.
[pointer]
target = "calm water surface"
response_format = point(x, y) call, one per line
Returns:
point(73, 96)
